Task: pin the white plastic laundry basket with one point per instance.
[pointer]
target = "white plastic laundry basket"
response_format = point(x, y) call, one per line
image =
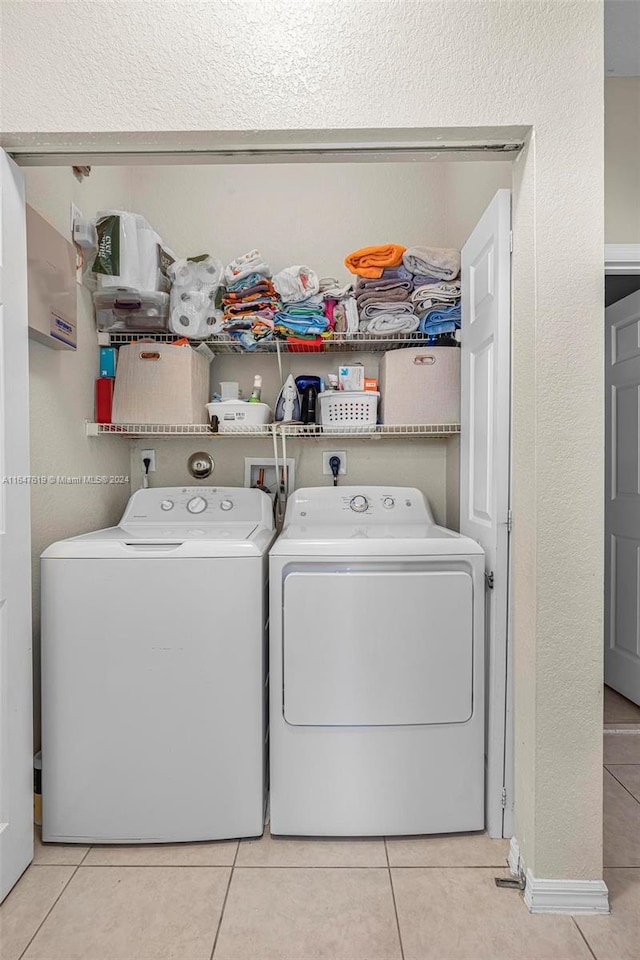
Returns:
point(348, 407)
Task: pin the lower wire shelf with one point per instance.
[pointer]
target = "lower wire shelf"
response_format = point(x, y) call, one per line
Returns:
point(294, 431)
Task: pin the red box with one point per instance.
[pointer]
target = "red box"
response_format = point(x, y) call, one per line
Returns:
point(104, 399)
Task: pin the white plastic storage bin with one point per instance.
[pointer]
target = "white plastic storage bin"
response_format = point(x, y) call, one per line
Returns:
point(239, 414)
point(160, 383)
point(122, 310)
point(420, 385)
point(348, 408)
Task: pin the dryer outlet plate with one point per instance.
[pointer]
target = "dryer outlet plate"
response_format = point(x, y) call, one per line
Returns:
point(326, 456)
point(151, 454)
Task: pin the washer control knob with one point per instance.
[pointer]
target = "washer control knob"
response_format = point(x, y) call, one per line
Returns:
point(197, 505)
point(388, 503)
point(166, 505)
point(226, 505)
point(359, 504)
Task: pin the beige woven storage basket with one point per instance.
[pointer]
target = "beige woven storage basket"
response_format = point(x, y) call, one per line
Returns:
point(420, 385)
point(160, 383)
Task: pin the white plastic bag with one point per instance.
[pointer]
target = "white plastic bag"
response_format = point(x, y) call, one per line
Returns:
point(130, 254)
point(195, 293)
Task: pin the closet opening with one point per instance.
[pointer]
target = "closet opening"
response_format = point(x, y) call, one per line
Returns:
point(313, 208)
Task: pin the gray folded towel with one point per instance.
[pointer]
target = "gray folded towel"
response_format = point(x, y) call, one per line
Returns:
point(379, 308)
point(382, 296)
point(440, 262)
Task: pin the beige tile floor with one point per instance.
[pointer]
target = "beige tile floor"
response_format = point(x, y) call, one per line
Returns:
point(425, 898)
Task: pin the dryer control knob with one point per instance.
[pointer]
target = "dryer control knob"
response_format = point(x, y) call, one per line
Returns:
point(226, 505)
point(197, 505)
point(359, 504)
point(166, 505)
point(388, 503)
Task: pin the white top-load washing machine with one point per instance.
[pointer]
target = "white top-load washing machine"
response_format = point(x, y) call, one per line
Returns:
point(376, 668)
point(154, 671)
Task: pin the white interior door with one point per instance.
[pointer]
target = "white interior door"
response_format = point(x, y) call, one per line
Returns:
point(485, 458)
point(622, 497)
point(16, 738)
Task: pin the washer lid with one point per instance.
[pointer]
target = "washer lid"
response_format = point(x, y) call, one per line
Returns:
point(372, 539)
point(136, 541)
point(196, 521)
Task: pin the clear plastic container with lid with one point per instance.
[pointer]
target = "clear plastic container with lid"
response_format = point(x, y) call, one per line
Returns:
point(127, 311)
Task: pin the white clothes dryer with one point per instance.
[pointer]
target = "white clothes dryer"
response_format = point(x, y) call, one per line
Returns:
point(376, 668)
point(154, 671)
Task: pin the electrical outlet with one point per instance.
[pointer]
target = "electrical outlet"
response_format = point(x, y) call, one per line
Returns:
point(326, 456)
point(152, 456)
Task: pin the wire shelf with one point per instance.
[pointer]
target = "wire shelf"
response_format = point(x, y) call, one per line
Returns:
point(290, 430)
point(337, 344)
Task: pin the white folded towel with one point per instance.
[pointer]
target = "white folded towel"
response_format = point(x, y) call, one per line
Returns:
point(386, 324)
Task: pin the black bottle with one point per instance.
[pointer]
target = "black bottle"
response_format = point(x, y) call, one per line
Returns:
point(309, 396)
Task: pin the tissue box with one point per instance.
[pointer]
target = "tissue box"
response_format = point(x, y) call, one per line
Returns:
point(351, 378)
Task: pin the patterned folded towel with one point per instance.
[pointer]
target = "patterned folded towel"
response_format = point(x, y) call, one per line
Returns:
point(371, 261)
point(440, 262)
point(260, 288)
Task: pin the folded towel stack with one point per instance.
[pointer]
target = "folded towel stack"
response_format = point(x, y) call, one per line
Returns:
point(387, 301)
point(437, 304)
point(339, 306)
point(251, 299)
point(371, 261)
point(305, 319)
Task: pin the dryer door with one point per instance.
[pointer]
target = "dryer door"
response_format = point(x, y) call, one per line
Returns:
point(377, 647)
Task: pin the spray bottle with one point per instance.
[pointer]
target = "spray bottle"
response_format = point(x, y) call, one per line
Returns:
point(257, 389)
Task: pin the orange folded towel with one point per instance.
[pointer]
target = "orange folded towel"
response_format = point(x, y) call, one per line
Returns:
point(371, 261)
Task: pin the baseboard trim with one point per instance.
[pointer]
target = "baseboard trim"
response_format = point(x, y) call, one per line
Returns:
point(565, 896)
point(514, 857)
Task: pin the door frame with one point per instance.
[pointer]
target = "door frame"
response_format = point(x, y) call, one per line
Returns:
point(621, 258)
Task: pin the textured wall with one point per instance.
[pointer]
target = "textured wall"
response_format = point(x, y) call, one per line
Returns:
point(621, 165)
point(61, 397)
point(315, 213)
point(414, 64)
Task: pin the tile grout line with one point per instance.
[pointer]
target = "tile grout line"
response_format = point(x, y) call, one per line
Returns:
point(224, 902)
point(89, 849)
point(393, 897)
point(588, 945)
point(633, 797)
point(53, 905)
